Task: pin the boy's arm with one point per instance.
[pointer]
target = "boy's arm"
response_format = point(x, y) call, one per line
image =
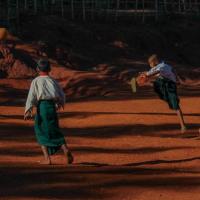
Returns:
point(178, 79)
point(152, 72)
point(31, 100)
point(61, 100)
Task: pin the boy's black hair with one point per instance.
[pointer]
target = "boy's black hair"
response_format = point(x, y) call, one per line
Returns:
point(44, 65)
point(154, 57)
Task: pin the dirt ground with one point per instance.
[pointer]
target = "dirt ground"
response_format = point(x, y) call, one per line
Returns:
point(128, 149)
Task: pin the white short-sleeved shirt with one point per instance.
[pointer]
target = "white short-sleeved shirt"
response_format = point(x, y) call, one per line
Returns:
point(164, 70)
point(44, 88)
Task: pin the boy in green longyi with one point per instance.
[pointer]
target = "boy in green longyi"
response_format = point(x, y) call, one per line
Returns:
point(47, 96)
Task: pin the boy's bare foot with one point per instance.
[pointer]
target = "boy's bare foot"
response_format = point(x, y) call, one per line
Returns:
point(183, 129)
point(45, 162)
point(70, 158)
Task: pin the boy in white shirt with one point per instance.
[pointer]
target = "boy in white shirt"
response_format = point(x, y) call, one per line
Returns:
point(165, 85)
point(47, 96)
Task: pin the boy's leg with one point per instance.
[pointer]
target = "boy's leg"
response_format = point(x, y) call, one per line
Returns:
point(47, 160)
point(67, 154)
point(182, 123)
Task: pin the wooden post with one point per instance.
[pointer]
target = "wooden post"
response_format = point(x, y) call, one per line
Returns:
point(156, 10)
point(17, 15)
point(107, 9)
point(25, 4)
point(117, 9)
point(84, 11)
point(92, 9)
point(165, 5)
point(62, 7)
point(143, 13)
point(7, 9)
point(175, 5)
point(72, 9)
point(96, 4)
point(197, 6)
point(44, 5)
point(97, 7)
point(190, 4)
point(8, 13)
point(179, 6)
point(136, 8)
point(126, 4)
point(35, 6)
point(184, 5)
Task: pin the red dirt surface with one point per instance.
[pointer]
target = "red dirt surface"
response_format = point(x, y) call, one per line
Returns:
point(124, 149)
point(126, 146)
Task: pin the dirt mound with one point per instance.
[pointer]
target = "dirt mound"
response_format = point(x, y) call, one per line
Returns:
point(93, 59)
point(12, 65)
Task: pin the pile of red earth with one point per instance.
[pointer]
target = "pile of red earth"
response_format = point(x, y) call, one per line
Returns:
point(103, 81)
point(95, 60)
point(18, 61)
point(13, 65)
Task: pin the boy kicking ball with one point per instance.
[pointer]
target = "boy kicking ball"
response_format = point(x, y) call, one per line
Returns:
point(47, 96)
point(165, 80)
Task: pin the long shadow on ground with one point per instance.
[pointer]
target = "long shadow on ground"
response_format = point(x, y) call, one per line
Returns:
point(83, 182)
point(21, 132)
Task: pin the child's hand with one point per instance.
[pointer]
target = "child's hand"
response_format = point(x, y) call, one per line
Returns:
point(179, 81)
point(143, 73)
point(28, 115)
point(59, 107)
